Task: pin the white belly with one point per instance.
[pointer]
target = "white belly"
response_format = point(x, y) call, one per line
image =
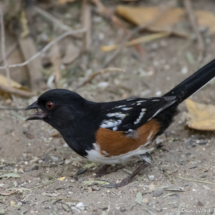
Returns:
point(95, 156)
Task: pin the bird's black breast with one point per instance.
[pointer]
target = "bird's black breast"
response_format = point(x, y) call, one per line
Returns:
point(80, 133)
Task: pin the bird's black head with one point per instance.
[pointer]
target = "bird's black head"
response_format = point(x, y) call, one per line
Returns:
point(57, 107)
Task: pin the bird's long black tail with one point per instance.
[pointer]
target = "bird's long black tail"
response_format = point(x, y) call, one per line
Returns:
point(193, 83)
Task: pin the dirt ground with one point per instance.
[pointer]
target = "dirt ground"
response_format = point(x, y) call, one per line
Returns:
point(48, 183)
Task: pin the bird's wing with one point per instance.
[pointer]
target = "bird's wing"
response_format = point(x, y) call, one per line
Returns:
point(128, 115)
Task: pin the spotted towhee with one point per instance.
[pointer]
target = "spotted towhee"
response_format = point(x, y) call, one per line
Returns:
point(114, 132)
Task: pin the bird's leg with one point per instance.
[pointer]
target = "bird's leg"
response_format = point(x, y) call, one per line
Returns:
point(128, 179)
point(146, 161)
point(102, 170)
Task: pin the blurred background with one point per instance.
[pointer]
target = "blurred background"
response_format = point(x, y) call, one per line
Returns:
point(139, 48)
point(104, 50)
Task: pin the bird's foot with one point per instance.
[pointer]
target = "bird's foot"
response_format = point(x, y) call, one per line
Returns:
point(102, 171)
point(127, 180)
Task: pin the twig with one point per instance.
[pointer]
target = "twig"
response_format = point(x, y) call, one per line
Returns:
point(28, 48)
point(15, 91)
point(56, 61)
point(10, 108)
point(102, 9)
point(86, 23)
point(4, 54)
point(142, 39)
point(133, 32)
point(52, 19)
point(205, 182)
point(72, 32)
point(10, 52)
point(194, 23)
point(3, 47)
point(103, 71)
point(113, 56)
point(43, 185)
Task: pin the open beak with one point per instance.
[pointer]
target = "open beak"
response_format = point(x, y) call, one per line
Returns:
point(39, 115)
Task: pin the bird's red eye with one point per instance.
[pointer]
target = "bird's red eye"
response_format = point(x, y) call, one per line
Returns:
point(49, 105)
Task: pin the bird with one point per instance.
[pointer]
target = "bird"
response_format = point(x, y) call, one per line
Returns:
point(115, 132)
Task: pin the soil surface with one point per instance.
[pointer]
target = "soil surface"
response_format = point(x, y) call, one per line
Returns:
point(181, 178)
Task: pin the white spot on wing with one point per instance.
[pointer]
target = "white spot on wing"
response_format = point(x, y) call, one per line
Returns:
point(127, 108)
point(115, 128)
point(140, 116)
point(117, 114)
point(139, 102)
point(111, 123)
point(120, 106)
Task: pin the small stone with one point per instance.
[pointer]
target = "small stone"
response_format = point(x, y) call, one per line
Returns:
point(159, 209)
point(184, 70)
point(154, 46)
point(163, 43)
point(158, 192)
point(200, 204)
point(19, 203)
point(158, 93)
point(2, 211)
point(151, 177)
point(35, 168)
point(122, 209)
point(80, 206)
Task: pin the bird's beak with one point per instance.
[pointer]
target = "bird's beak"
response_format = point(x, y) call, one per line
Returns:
point(39, 115)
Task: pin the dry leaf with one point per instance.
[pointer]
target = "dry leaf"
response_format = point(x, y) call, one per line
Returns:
point(10, 175)
point(139, 198)
point(206, 19)
point(168, 22)
point(65, 1)
point(143, 15)
point(56, 61)
point(8, 193)
point(14, 84)
point(96, 182)
point(143, 39)
point(55, 133)
point(61, 179)
point(72, 52)
point(151, 187)
point(200, 116)
point(24, 23)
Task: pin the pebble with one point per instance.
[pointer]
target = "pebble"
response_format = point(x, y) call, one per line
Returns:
point(103, 84)
point(80, 206)
point(154, 46)
point(184, 70)
point(54, 158)
point(158, 93)
point(151, 177)
point(122, 209)
point(163, 43)
point(2, 211)
point(158, 192)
